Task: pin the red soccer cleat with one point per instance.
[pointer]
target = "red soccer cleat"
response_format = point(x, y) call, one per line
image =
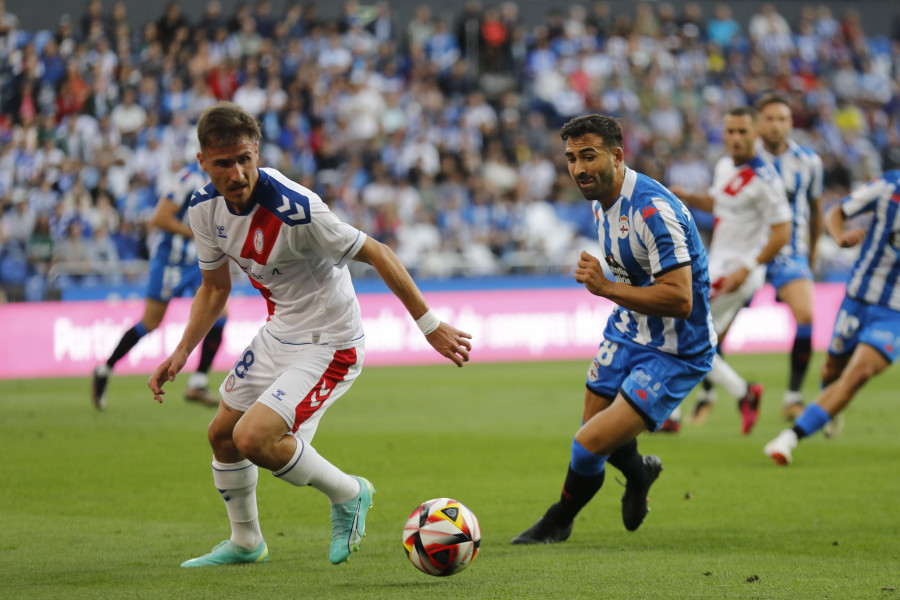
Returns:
point(749, 406)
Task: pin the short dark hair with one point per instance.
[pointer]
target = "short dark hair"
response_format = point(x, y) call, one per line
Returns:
point(226, 124)
point(771, 98)
point(606, 127)
point(743, 111)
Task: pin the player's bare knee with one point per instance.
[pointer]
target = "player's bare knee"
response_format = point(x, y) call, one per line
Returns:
point(832, 369)
point(857, 376)
point(251, 444)
point(220, 439)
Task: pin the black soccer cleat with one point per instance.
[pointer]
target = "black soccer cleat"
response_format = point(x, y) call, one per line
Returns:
point(634, 500)
point(99, 379)
point(545, 531)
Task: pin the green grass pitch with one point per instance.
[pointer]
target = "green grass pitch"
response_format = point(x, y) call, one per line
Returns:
point(107, 505)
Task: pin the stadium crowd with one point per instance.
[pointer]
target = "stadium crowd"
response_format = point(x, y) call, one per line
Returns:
point(436, 133)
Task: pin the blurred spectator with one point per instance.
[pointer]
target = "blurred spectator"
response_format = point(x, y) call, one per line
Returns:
point(128, 117)
point(412, 126)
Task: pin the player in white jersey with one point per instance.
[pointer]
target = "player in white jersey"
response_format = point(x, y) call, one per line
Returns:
point(659, 341)
point(295, 252)
point(790, 272)
point(866, 338)
point(173, 274)
point(753, 223)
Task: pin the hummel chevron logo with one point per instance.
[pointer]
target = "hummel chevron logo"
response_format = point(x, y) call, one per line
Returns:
point(321, 394)
point(299, 211)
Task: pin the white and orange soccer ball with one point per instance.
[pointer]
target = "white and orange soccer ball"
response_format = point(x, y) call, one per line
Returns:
point(441, 537)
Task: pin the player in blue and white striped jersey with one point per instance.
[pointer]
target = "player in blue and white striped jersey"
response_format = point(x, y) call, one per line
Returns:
point(173, 273)
point(866, 338)
point(659, 341)
point(790, 272)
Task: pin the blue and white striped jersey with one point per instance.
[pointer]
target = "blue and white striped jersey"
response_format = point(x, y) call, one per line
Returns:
point(877, 270)
point(803, 175)
point(175, 249)
point(646, 233)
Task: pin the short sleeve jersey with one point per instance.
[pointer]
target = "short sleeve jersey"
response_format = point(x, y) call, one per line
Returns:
point(295, 252)
point(648, 232)
point(802, 173)
point(876, 275)
point(748, 199)
point(171, 248)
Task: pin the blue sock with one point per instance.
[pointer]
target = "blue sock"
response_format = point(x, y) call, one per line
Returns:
point(586, 463)
point(140, 329)
point(813, 419)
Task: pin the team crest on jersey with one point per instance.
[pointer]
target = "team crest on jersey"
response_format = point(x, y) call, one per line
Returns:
point(594, 371)
point(623, 227)
point(258, 240)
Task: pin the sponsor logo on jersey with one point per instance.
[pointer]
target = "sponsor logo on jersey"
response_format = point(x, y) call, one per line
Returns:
point(621, 273)
point(220, 231)
point(279, 394)
point(648, 211)
point(259, 241)
point(229, 383)
point(623, 227)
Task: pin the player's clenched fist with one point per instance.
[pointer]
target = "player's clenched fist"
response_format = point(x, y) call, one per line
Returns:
point(589, 273)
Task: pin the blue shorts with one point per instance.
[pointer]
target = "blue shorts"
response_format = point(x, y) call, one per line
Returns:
point(653, 382)
point(785, 269)
point(172, 281)
point(870, 324)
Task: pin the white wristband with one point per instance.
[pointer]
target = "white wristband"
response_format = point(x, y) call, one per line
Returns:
point(428, 322)
point(750, 264)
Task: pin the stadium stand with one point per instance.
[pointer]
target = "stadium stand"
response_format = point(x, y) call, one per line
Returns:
point(438, 133)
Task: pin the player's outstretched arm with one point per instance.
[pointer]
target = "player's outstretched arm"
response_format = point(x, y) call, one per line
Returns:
point(164, 217)
point(205, 309)
point(701, 200)
point(443, 337)
point(834, 224)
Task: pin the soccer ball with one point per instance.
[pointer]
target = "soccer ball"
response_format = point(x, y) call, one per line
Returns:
point(441, 537)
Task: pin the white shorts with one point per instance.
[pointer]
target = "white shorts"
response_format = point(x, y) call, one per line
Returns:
point(299, 382)
point(724, 307)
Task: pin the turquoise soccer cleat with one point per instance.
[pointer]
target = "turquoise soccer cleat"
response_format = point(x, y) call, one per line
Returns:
point(348, 522)
point(229, 553)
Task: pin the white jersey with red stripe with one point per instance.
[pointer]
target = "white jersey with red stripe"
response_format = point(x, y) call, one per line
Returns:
point(748, 199)
point(295, 252)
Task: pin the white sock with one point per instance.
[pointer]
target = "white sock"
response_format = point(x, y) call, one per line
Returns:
point(307, 467)
point(793, 397)
point(237, 484)
point(676, 414)
point(704, 395)
point(722, 374)
point(198, 381)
